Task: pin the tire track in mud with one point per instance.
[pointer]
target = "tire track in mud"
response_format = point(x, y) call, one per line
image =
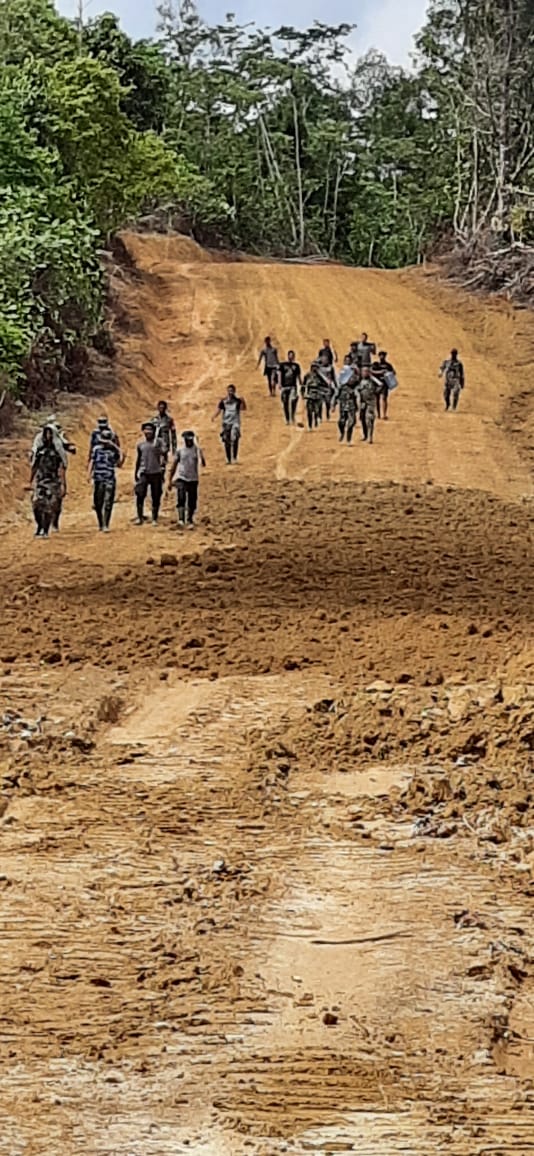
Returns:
point(177, 891)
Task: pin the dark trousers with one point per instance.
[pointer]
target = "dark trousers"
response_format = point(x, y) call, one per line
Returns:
point(271, 374)
point(367, 418)
point(154, 483)
point(46, 506)
point(57, 514)
point(346, 424)
point(103, 500)
point(313, 407)
point(187, 498)
point(44, 514)
point(289, 402)
point(382, 395)
point(230, 440)
point(451, 392)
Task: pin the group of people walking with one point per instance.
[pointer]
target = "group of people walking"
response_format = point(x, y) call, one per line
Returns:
point(157, 447)
point(358, 391)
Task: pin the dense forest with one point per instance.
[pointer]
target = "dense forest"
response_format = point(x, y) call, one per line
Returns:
point(271, 141)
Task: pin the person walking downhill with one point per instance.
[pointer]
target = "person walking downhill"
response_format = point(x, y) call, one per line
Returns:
point(312, 391)
point(383, 373)
point(149, 466)
point(345, 398)
point(63, 447)
point(290, 379)
point(47, 480)
point(367, 404)
point(328, 357)
point(366, 351)
point(269, 356)
point(165, 430)
point(328, 383)
point(186, 466)
point(230, 408)
point(105, 459)
point(453, 370)
point(101, 425)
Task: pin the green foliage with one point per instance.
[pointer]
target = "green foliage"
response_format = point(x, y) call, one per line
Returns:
point(141, 68)
point(74, 166)
point(271, 141)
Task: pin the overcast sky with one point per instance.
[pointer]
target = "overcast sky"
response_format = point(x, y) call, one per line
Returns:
point(385, 24)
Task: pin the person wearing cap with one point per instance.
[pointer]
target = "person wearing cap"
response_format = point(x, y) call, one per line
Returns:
point(186, 467)
point(102, 424)
point(380, 371)
point(105, 459)
point(149, 468)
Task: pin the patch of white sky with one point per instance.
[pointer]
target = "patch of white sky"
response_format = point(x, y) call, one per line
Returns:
point(388, 25)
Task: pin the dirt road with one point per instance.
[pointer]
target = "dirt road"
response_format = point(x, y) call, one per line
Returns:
point(266, 837)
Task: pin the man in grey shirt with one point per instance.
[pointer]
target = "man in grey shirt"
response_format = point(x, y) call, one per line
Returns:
point(366, 351)
point(269, 356)
point(149, 468)
point(230, 408)
point(186, 463)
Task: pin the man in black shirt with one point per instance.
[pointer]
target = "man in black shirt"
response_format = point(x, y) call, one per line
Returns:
point(379, 371)
point(453, 370)
point(290, 379)
point(328, 357)
point(353, 354)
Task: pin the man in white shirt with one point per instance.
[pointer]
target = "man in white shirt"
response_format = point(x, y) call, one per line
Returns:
point(186, 464)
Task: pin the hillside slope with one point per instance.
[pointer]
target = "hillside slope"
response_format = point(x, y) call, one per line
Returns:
point(266, 869)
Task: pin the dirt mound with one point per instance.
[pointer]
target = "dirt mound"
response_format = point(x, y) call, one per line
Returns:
point(171, 248)
point(461, 724)
point(267, 786)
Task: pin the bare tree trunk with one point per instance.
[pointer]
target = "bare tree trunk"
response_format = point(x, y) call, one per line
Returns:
point(302, 232)
point(503, 118)
point(276, 178)
point(339, 177)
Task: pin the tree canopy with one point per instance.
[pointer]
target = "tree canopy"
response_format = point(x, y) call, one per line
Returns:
point(270, 140)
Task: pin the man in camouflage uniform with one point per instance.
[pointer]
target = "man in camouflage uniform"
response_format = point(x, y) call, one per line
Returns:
point(47, 480)
point(63, 447)
point(345, 398)
point(367, 403)
point(328, 383)
point(453, 370)
point(313, 394)
point(165, 430)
